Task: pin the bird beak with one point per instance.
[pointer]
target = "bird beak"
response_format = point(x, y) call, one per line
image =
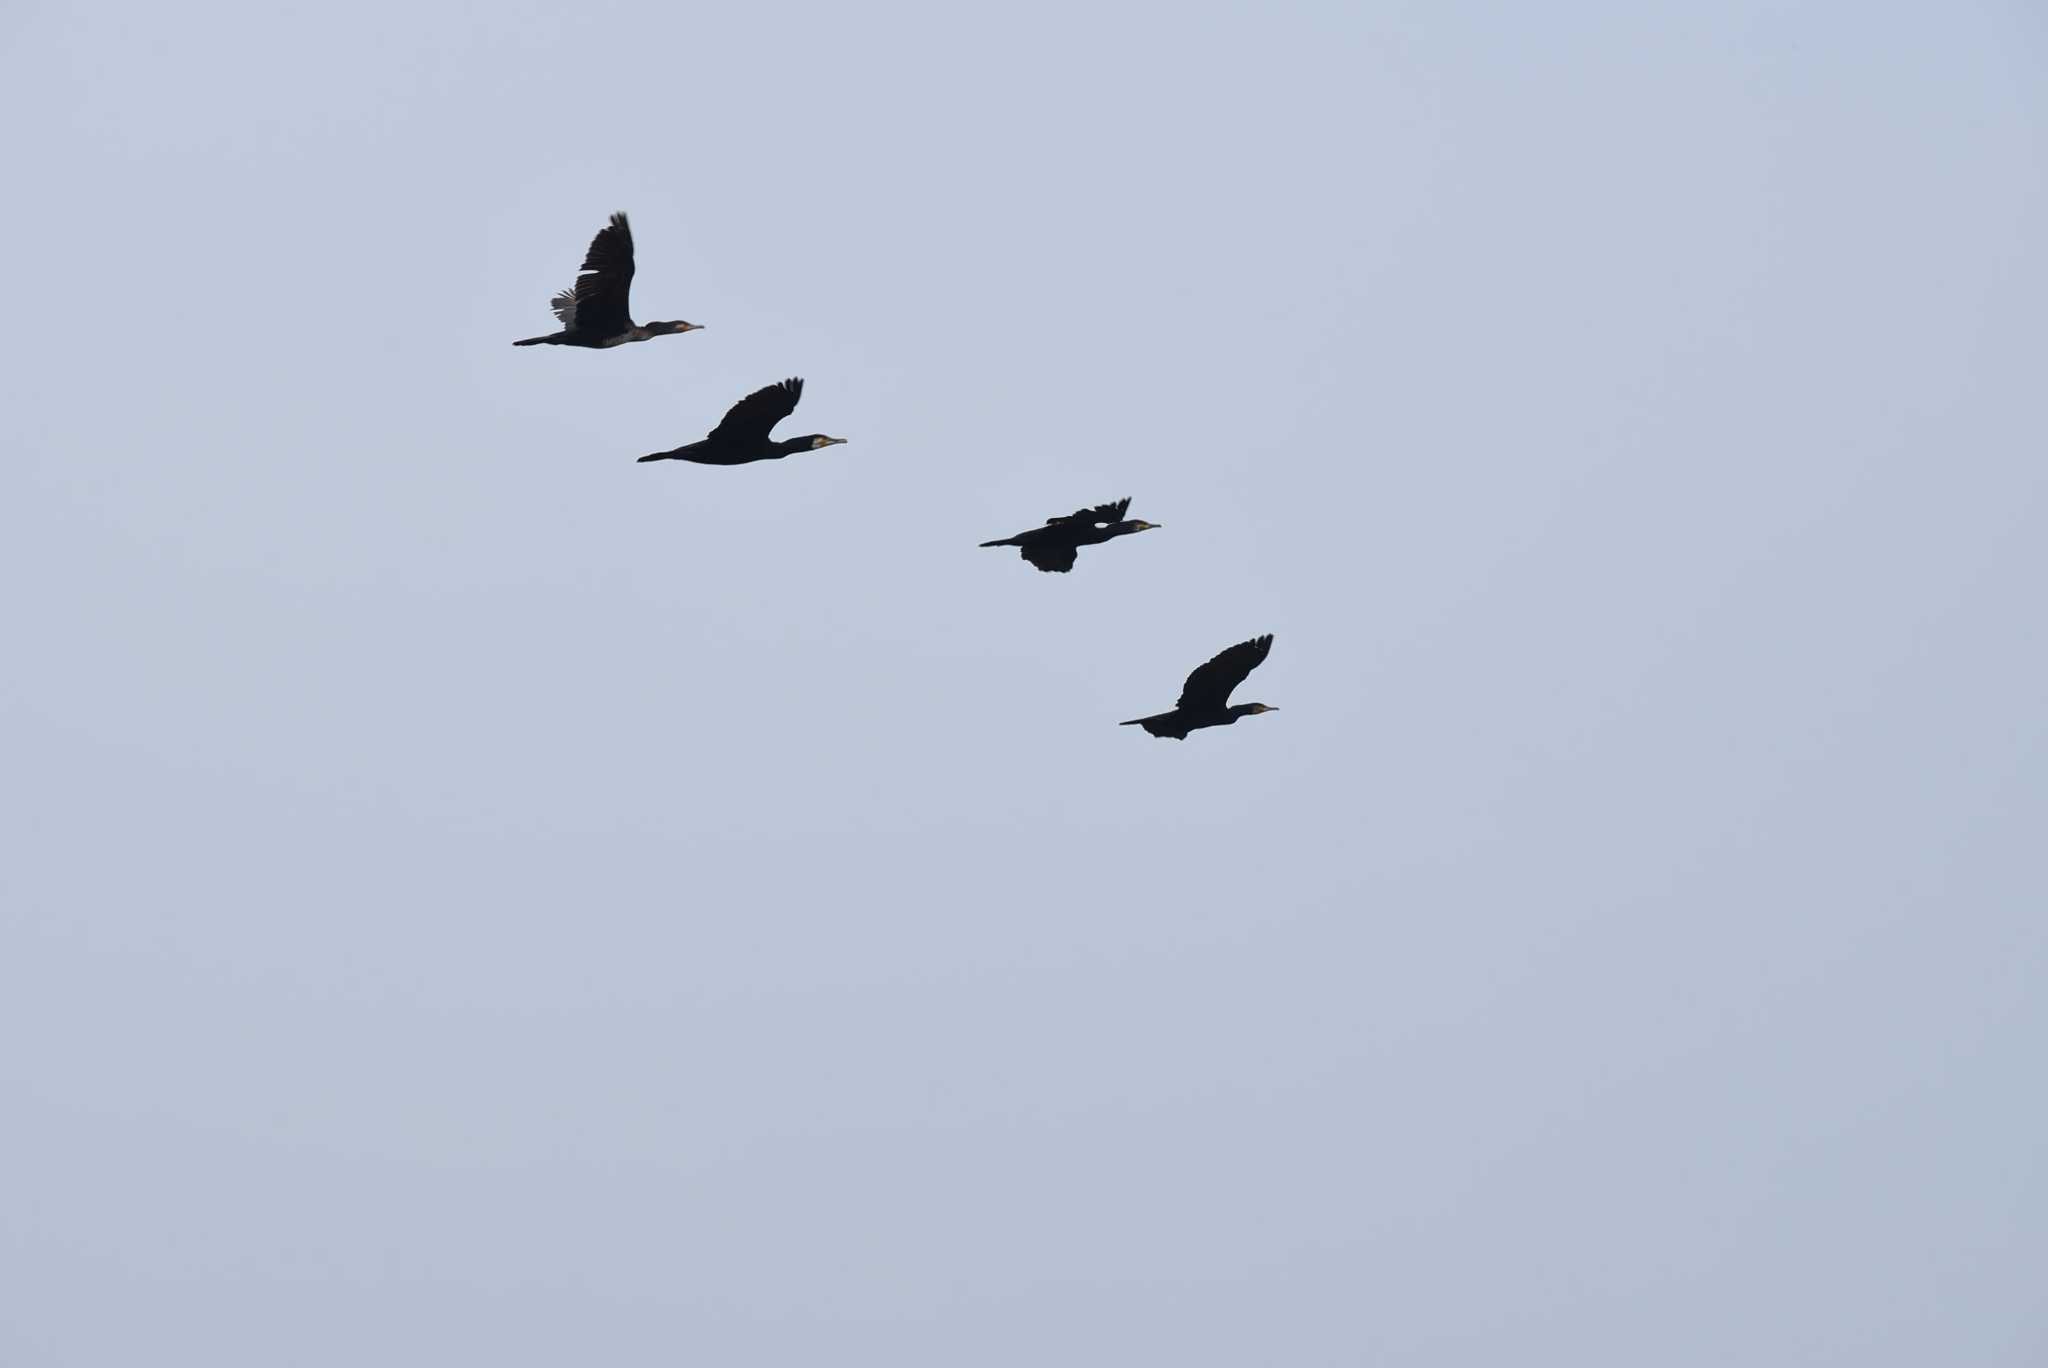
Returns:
point(835, 441)
point(1150, 527)
point(693, 327)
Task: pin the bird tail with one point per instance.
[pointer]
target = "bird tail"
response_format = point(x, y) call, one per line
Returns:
point(535, 341)
point(657, 456)
point(1007, 541)
point(1134, 722)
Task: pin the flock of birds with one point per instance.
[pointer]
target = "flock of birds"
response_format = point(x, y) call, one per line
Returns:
point(595, 312)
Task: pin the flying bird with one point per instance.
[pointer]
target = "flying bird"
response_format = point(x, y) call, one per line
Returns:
point(593, 311)
point(1205, 698)
point(742, 435)
point(1054, 546)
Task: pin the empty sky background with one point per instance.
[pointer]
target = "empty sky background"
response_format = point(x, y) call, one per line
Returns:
point(472, 899)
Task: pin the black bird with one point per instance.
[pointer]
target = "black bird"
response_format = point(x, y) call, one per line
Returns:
point(1205, 698)
point(593, 310)
point(1053, 546)
point(742, 435)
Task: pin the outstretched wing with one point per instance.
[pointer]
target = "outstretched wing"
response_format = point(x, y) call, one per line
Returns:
point(1058, 559)
point(752, 417)
point(564, 305)
point(1209, 686)
point(1101, 513)
point(600, 293)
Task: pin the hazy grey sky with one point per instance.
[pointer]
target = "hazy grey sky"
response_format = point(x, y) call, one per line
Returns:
point(473, 899)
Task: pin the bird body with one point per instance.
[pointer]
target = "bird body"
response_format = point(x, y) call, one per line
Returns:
point(594, 312)
point(741, 437)
point(567, 339)
point(1052, 547)
point(1205, 698)
point(1178, 723)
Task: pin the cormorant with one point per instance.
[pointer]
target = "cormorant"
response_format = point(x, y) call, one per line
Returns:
point(593, 310)
point(1205, 698)
point(742, 435)
point(1053, 546)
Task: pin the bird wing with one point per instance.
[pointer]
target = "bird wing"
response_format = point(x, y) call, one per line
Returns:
point(1101, 513)
point(1059, 559)
point(753, 417)
point(601, 291)
point(1211, 683)
point(564, 305)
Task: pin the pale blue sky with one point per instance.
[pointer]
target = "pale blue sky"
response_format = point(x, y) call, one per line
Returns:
point(475, 899)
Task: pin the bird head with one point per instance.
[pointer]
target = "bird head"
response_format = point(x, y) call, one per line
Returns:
point(1254, 709)
point(678, 326)
point(1140, 525)
point(819, 441)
